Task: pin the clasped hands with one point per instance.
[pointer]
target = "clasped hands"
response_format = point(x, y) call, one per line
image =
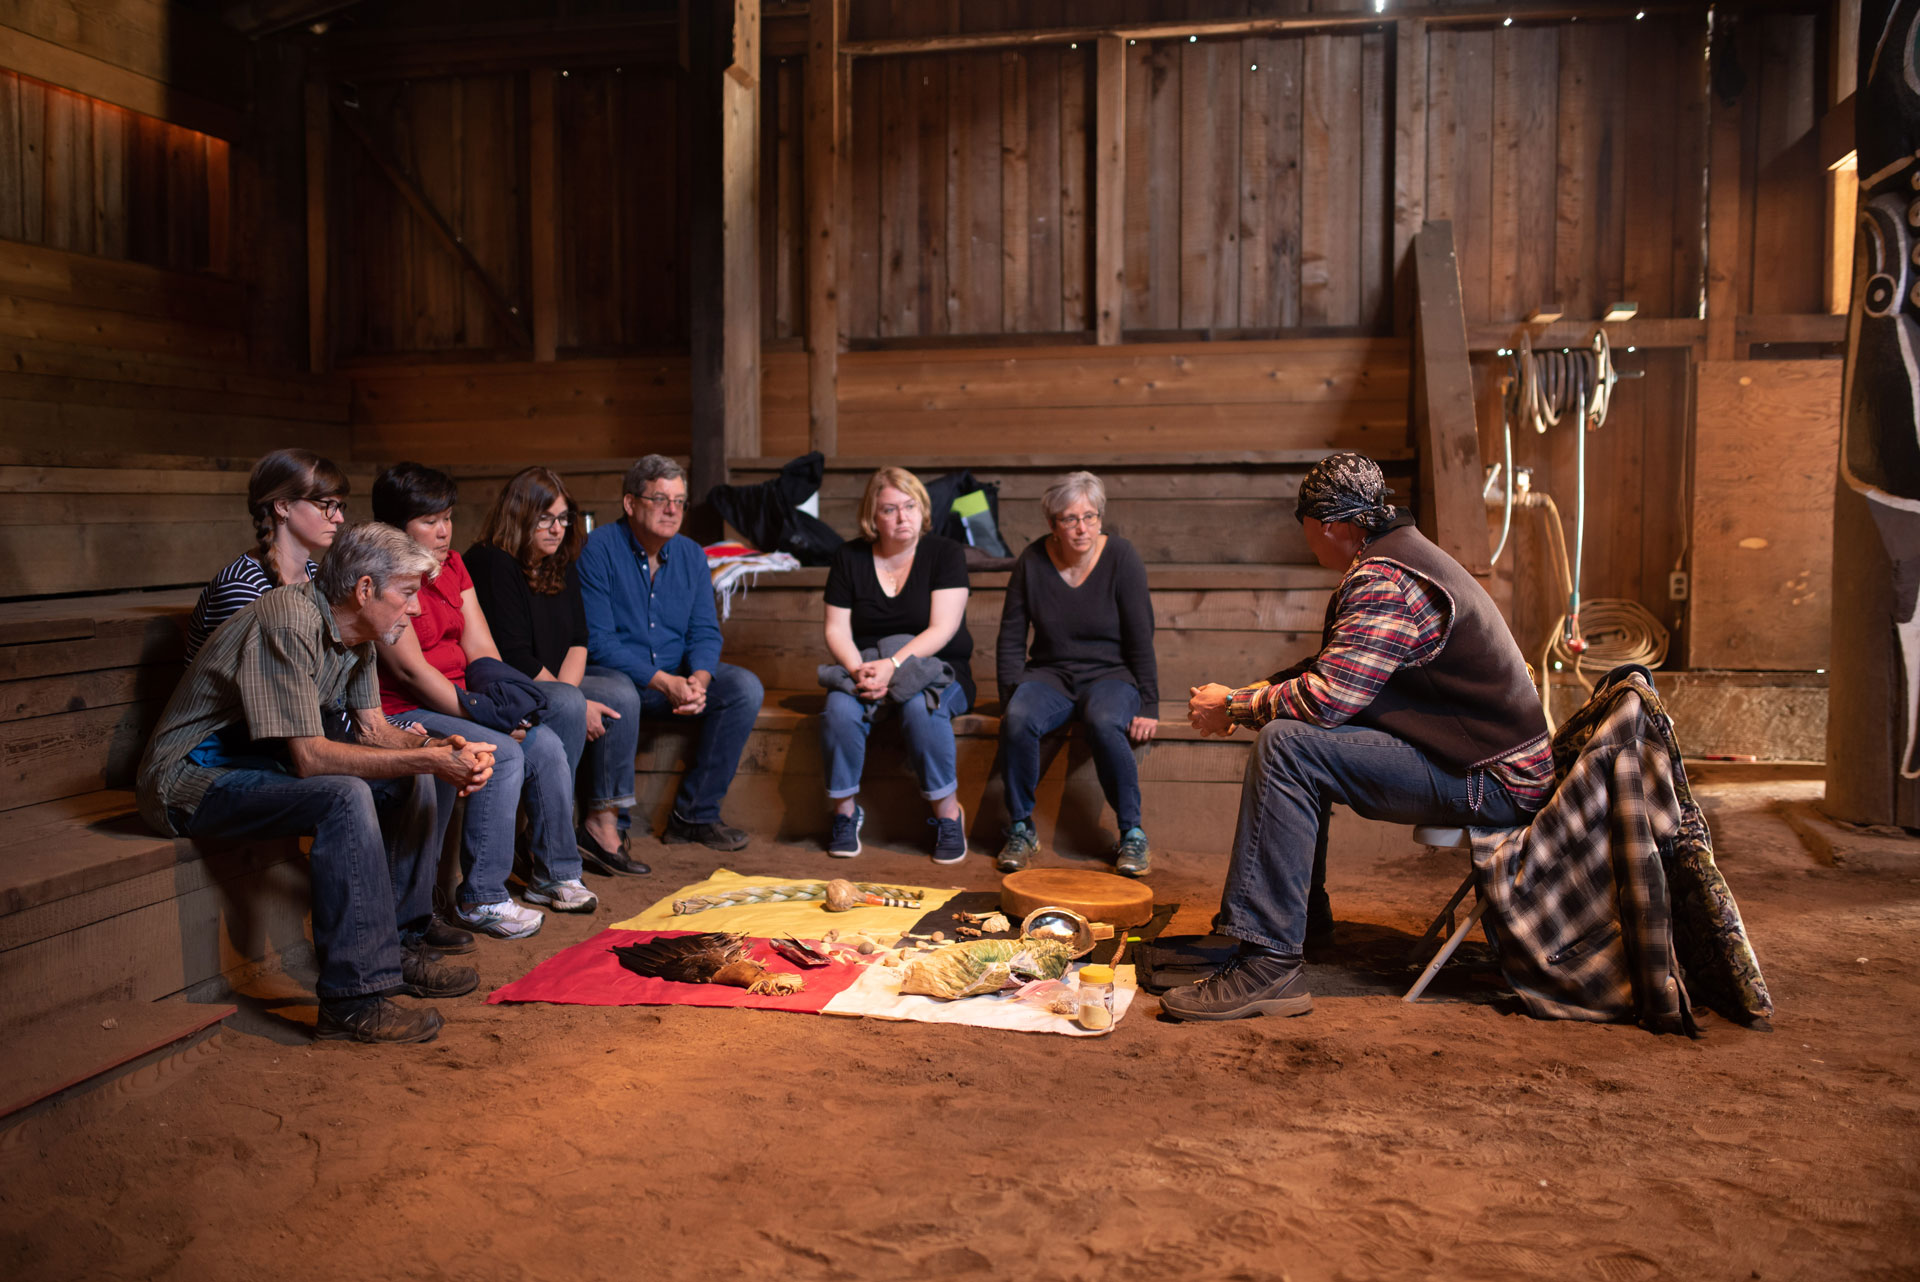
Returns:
point(1207, 709)
point(467, 766)
point(871, 679)
point(687, 694)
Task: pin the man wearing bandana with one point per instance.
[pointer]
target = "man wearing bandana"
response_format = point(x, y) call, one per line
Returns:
point(1416, 709)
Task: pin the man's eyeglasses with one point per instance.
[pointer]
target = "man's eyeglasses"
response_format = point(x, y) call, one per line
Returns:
point(668, 503)
point(549, 521)
point(328, 508)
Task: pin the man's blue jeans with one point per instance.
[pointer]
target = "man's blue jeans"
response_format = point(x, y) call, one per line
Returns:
point(376, 846)
point(929, 733)
point(733, 704)
point(1106, 708)
point(606, 781)
point(1295, 772)
point(533, 771)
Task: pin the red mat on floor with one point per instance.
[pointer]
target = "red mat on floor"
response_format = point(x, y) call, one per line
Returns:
point(588, 974)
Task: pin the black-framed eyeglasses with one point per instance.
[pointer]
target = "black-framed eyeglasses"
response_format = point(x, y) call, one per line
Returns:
point(553, 521)
point(328, 508)
point(666, 502)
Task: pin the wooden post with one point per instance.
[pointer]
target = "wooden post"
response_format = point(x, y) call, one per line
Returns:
point(1409, 160)
point(1110, 190)
point(1724, 250)
point(740, 207)
point(543, 213)
point(1446, 437)
point(319, 140)
point(822, 162)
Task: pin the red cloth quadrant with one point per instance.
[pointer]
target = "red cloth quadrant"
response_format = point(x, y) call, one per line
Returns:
point(588, 974)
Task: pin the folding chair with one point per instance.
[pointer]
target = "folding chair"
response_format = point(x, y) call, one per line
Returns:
point(1440, 838)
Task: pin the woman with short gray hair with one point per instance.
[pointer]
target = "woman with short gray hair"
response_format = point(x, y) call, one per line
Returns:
point(1083, 595)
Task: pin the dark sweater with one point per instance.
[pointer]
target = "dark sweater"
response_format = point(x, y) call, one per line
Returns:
point(1101, 629)
point(938, 563)
point(534, 630)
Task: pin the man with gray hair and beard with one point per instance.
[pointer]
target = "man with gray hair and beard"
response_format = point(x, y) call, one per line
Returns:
point(243, 751)
point(1417, 709)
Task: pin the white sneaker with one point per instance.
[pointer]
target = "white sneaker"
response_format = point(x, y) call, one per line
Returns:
point(562, 896)
point(504, 920)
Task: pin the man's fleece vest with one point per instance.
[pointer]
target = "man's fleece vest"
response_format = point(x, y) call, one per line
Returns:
point(1471, 703)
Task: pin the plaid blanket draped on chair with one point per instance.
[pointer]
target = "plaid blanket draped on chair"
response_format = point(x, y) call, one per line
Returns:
point(1609, 905)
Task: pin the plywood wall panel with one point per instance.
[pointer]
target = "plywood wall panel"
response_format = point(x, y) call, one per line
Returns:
point(1768, 435)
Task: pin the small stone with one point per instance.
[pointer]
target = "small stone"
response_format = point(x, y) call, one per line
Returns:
point(109, 1023)
point(1862, 960)
point(868, 948)
point(939, 935)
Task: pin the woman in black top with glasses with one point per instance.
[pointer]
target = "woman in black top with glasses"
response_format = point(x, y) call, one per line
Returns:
point(523, 576)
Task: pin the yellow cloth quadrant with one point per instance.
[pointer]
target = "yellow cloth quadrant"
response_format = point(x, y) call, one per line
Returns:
point(805, 918)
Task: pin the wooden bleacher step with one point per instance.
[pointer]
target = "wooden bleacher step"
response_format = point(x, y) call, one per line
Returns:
point(100, 1045)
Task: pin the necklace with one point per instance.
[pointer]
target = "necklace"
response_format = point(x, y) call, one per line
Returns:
point(892, 571)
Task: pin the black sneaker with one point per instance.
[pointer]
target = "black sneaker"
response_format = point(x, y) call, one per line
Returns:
point(375, 1019)
point(425, 973)
point(949, 839)
point(1133, 857)
point(715, 835)
point(843, 842)
point(1251, 983)
point(444, 937)
point(607, 863)
point(1023, 843)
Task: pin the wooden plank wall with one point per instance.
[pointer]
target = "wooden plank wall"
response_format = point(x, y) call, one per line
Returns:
point(1161, 398)
point(80, 174)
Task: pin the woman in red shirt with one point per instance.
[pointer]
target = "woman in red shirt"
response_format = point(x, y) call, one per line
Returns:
point(419, 674)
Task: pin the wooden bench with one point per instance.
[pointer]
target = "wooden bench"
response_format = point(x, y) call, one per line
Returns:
point(93, 904)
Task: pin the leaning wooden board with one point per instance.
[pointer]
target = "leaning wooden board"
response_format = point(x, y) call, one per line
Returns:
point(1097, 896)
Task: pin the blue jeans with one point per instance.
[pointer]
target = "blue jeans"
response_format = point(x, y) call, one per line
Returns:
point(929, 732)
point(606, 782)
point(533, 771)
point(720, 736)
point(1297, 770)
point(1106, 708)
point(376, 846)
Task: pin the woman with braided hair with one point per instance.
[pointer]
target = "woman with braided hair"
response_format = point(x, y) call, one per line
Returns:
point(295, 499)
point(1417, 708)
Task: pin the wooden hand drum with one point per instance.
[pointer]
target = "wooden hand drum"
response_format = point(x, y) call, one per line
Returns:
point(1097, 896)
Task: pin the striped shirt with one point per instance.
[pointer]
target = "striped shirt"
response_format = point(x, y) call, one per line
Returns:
point(229, 592)
point(267, 675)
point(1385, 618)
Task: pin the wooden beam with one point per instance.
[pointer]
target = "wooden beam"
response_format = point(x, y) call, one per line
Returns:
point(1791, 329)
point(1110, 189)
point(319, 141)
point(504, 311)
point(1725, 253)
point(822, 161)
point(1409, 160)
point(1236, 28)
point(1651, 331)
point(1837, 132)
point(1446, 434)
point(740, 209)
point(543, 211)
point(58, 64)
point(479, 48)
point(745, 66)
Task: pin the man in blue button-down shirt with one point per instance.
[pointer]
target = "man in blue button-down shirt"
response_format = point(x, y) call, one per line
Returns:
point(650, 615)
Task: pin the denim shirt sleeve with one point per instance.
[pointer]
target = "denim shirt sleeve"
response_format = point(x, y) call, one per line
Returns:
point(604, 592)
point(703, 623)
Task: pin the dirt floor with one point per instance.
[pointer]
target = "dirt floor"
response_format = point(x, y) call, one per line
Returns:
point(1368, 1140)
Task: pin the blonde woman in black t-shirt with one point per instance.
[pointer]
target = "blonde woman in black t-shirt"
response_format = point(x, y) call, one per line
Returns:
point(899, 580)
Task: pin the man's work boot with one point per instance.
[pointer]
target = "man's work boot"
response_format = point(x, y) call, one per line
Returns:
point(1253, 982)
point(375, 1019)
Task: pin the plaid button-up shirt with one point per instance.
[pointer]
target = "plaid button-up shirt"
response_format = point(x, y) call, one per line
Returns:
point(268, 670)
point(1385, 618)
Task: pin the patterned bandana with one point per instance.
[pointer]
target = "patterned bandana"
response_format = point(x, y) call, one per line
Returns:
point(1345, 487)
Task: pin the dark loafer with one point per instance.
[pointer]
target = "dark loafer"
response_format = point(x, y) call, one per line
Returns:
point(607, 863)
point(376, 1019)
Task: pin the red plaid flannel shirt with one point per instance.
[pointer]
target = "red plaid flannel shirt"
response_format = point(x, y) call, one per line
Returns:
point(1385, 618)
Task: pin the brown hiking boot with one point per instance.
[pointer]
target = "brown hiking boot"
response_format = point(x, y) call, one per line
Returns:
point(376, 1019)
